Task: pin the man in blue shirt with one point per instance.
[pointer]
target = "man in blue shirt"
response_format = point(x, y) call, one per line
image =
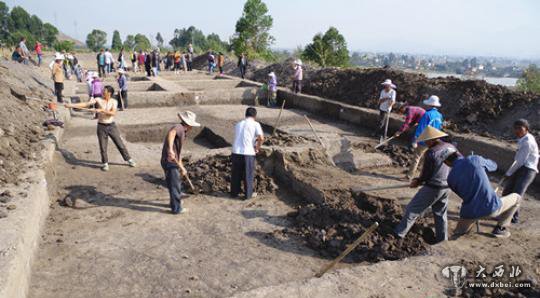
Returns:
point(468, 179)
point(432, 117)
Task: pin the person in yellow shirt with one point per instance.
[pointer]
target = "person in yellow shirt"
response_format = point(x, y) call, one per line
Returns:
point(58, 76)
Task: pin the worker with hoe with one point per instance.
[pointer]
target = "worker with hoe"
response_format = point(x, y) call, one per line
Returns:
point(432, 117)
point(469, 180)
point(106, 110)
point(248, 138)
point(171, 160)
point(387, 99)
point(525, 167)
point(413, 114)
point(434, 192)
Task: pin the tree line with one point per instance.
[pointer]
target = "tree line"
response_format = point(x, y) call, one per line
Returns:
point(18, 23)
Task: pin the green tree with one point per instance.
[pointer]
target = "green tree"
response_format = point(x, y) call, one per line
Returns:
point(215, 43)
point(530, 80)
point(5, 36)
point(64, 45)
point(159, 40)
point(329, 49)
point(96, 39)
point(49, 34)
point(20, 19)
point(116, 41)
point(142, 42)
point(253, 30)
point(130, 43)
point(183, 37)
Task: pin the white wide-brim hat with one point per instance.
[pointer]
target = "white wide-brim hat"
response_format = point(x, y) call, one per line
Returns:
point(58, 56)
point(433, 101)
point(271, 74)
point(95, 75)
point(298, 62)
point(189, 118)
point(120, 70)
point(388, 82)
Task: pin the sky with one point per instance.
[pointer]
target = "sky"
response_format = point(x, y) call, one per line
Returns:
point(441, 27)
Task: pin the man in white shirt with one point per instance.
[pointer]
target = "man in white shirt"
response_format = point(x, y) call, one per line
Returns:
point(386, 100)
point(108, 61)
point(525, 167)
point(248, 138)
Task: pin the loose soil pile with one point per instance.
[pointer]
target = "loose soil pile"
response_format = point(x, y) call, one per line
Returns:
point(475, 104)
point(401, 156)
point(212, 174)
point(343, 216)
point(284, 139)
point(21, 127)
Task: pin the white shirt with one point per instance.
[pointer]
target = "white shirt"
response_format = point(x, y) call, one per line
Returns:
point(108, 58)
point(526, 155)
point(390, 98)
point(245, 136)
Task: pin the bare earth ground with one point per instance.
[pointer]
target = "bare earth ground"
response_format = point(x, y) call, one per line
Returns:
point(120, 241)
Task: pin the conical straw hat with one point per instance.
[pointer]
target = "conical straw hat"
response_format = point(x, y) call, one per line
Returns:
point(431, 133)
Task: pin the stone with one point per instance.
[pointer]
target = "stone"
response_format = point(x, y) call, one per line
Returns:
point(3, 213)
point(11, 207)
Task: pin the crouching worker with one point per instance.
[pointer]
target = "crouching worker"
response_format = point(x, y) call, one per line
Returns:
point(468, 179)
point(171, 160)
point(106, 110)
point(248, 138)
point(434, 192)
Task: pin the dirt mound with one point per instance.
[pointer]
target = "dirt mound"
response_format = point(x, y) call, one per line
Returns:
point(330, 227)
point(212, 174)
point(400, 155)
point(475, 104)
point(284, 139)
point(21, 127)
point(230, 66)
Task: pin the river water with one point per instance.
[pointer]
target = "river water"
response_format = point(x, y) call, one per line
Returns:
point(508, 82)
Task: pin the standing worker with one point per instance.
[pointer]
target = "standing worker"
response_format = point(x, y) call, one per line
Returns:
point(468, 179)
point(298, 76)
point(248, 138)
point(412, 114)
point(272, 89)
point(39, 52)
point(434, 192)
point(101, 63)
point(387, 99)
point(220, 62)
point(171, 159)
point(242, 65)
point(432, 117)
point(106, 111)
point(58, 76)
point(525, 167)
point(123, 89)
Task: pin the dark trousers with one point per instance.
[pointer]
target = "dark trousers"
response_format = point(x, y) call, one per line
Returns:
point(174, 184)
point(518, 183)
point(243, 168)
point(190, 66)
point(123, 99)
point(104, 131)
point(297, 86)
point(383, 118)
point(242, 71)
point(58, 87)
point(101, 70)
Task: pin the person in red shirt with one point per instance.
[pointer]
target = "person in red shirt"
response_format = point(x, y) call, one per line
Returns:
point(412, 114)
point(39, 52)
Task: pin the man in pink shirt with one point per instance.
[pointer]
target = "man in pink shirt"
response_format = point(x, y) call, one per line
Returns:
point(298, 76)
point(412, 114)
point(39, 53)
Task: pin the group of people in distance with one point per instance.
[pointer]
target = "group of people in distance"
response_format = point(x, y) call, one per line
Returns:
point(445, 169)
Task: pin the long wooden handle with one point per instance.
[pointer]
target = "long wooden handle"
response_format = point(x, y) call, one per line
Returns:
point(83, 109)
point(190, 184)
point(348, 250)
point(403, 185)
point(314, 132)
point(278, 118)
point(384, 142)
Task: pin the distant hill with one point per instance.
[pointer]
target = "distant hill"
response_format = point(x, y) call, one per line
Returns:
point(78, 44)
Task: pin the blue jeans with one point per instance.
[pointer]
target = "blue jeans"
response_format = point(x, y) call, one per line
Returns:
point(427, 196)
point(518, 183)
point(174, 184)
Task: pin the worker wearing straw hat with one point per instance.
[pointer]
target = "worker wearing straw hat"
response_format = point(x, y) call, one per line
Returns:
point(432, 117)
point(298, 76)
point(434, 192)
point(387, 99)
point(171, 160)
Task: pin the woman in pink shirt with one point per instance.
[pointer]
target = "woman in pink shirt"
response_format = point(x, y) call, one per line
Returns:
point(39, 53)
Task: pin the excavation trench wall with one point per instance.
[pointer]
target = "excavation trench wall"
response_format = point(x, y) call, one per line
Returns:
point(501, 152)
